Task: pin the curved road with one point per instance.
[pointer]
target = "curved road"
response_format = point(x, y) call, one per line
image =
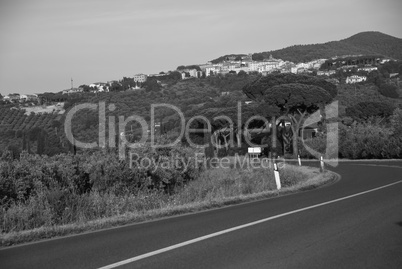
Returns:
point(354, 223)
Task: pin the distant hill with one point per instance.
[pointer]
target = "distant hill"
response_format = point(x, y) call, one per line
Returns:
point(368, 43)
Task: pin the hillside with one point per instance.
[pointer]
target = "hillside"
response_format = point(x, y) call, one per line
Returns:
point(369, 43)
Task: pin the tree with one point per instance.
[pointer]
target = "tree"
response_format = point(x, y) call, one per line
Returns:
point(152, 85)
point(256, 88)
point(56, 124)
point(175, 75)
point(295, 101)
point(294, 96)
point(396, 122)
point(242, 73)
point(116, 87)
point(85, 88)
point(365, 110)
point(388, 90)
point(14, 151)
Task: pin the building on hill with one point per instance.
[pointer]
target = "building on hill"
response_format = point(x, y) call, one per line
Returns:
point(238, 69)
point(355, 79)
point(100, 87)
point(193, 73)
point(247, 58)
point(190, 73)
point(326, 73)
point(29, 97)
point(347, 68)
point(316, 64)
point(211, 70)
point(303, 65)
point(110, 82)
point(333, 80)
point(303, 71)
point(32, 97)
point(140, 78)
point(367, 68)
point(72, 90)
point(254, 66)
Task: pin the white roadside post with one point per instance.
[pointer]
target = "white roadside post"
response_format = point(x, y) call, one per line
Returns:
point(321, 164)
point(298, 158)
point(277, 178)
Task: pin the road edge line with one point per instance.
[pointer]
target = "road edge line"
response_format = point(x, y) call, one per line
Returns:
point(198, 239)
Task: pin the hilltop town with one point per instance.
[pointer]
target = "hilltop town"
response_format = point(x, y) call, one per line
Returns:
point(347, 69)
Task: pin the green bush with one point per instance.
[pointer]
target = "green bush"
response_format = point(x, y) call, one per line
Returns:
point(363, 140)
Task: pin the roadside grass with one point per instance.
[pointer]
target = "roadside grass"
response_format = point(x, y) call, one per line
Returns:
point(213, 189)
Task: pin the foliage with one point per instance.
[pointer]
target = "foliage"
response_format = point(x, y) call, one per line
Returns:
point(182, 67)
point(365, 110)
point(290, 94)
point(363, 140)
point(257, 88)
point(294, 97)
point(389, 90)
point(39, 191)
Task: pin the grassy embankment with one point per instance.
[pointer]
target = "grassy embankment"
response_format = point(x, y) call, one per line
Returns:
point(212, 189)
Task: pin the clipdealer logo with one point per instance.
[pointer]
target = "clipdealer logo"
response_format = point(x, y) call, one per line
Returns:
point(107, 130)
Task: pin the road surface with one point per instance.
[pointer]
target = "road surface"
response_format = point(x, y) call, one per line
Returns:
point(354, 223)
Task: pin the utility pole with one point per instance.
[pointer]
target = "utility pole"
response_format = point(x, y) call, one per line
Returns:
point(72, 85)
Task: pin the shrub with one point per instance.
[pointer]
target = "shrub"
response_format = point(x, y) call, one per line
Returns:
point(389, 90)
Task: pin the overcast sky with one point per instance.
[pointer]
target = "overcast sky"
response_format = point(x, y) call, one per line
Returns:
point(45, 43)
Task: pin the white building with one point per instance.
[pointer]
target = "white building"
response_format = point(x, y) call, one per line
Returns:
point(245, 69)
point(326, 73)
point(254, 66)
point(303, 65)
point(23, 97)
point(368, 68)
point(210, 71)
point(355, 79)
point(140, 78)
point(193, 73)
point(73, 90)
point(100, 87)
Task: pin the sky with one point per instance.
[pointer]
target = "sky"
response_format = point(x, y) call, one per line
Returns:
point(45, 43)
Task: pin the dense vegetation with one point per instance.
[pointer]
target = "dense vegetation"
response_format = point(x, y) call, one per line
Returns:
point(210, 97)
point(374, 138)
point(41, 191)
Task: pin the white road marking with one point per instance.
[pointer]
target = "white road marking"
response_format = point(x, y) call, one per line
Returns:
point(198, 239)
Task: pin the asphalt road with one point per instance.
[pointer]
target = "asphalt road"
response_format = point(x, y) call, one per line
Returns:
point(354, 223)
